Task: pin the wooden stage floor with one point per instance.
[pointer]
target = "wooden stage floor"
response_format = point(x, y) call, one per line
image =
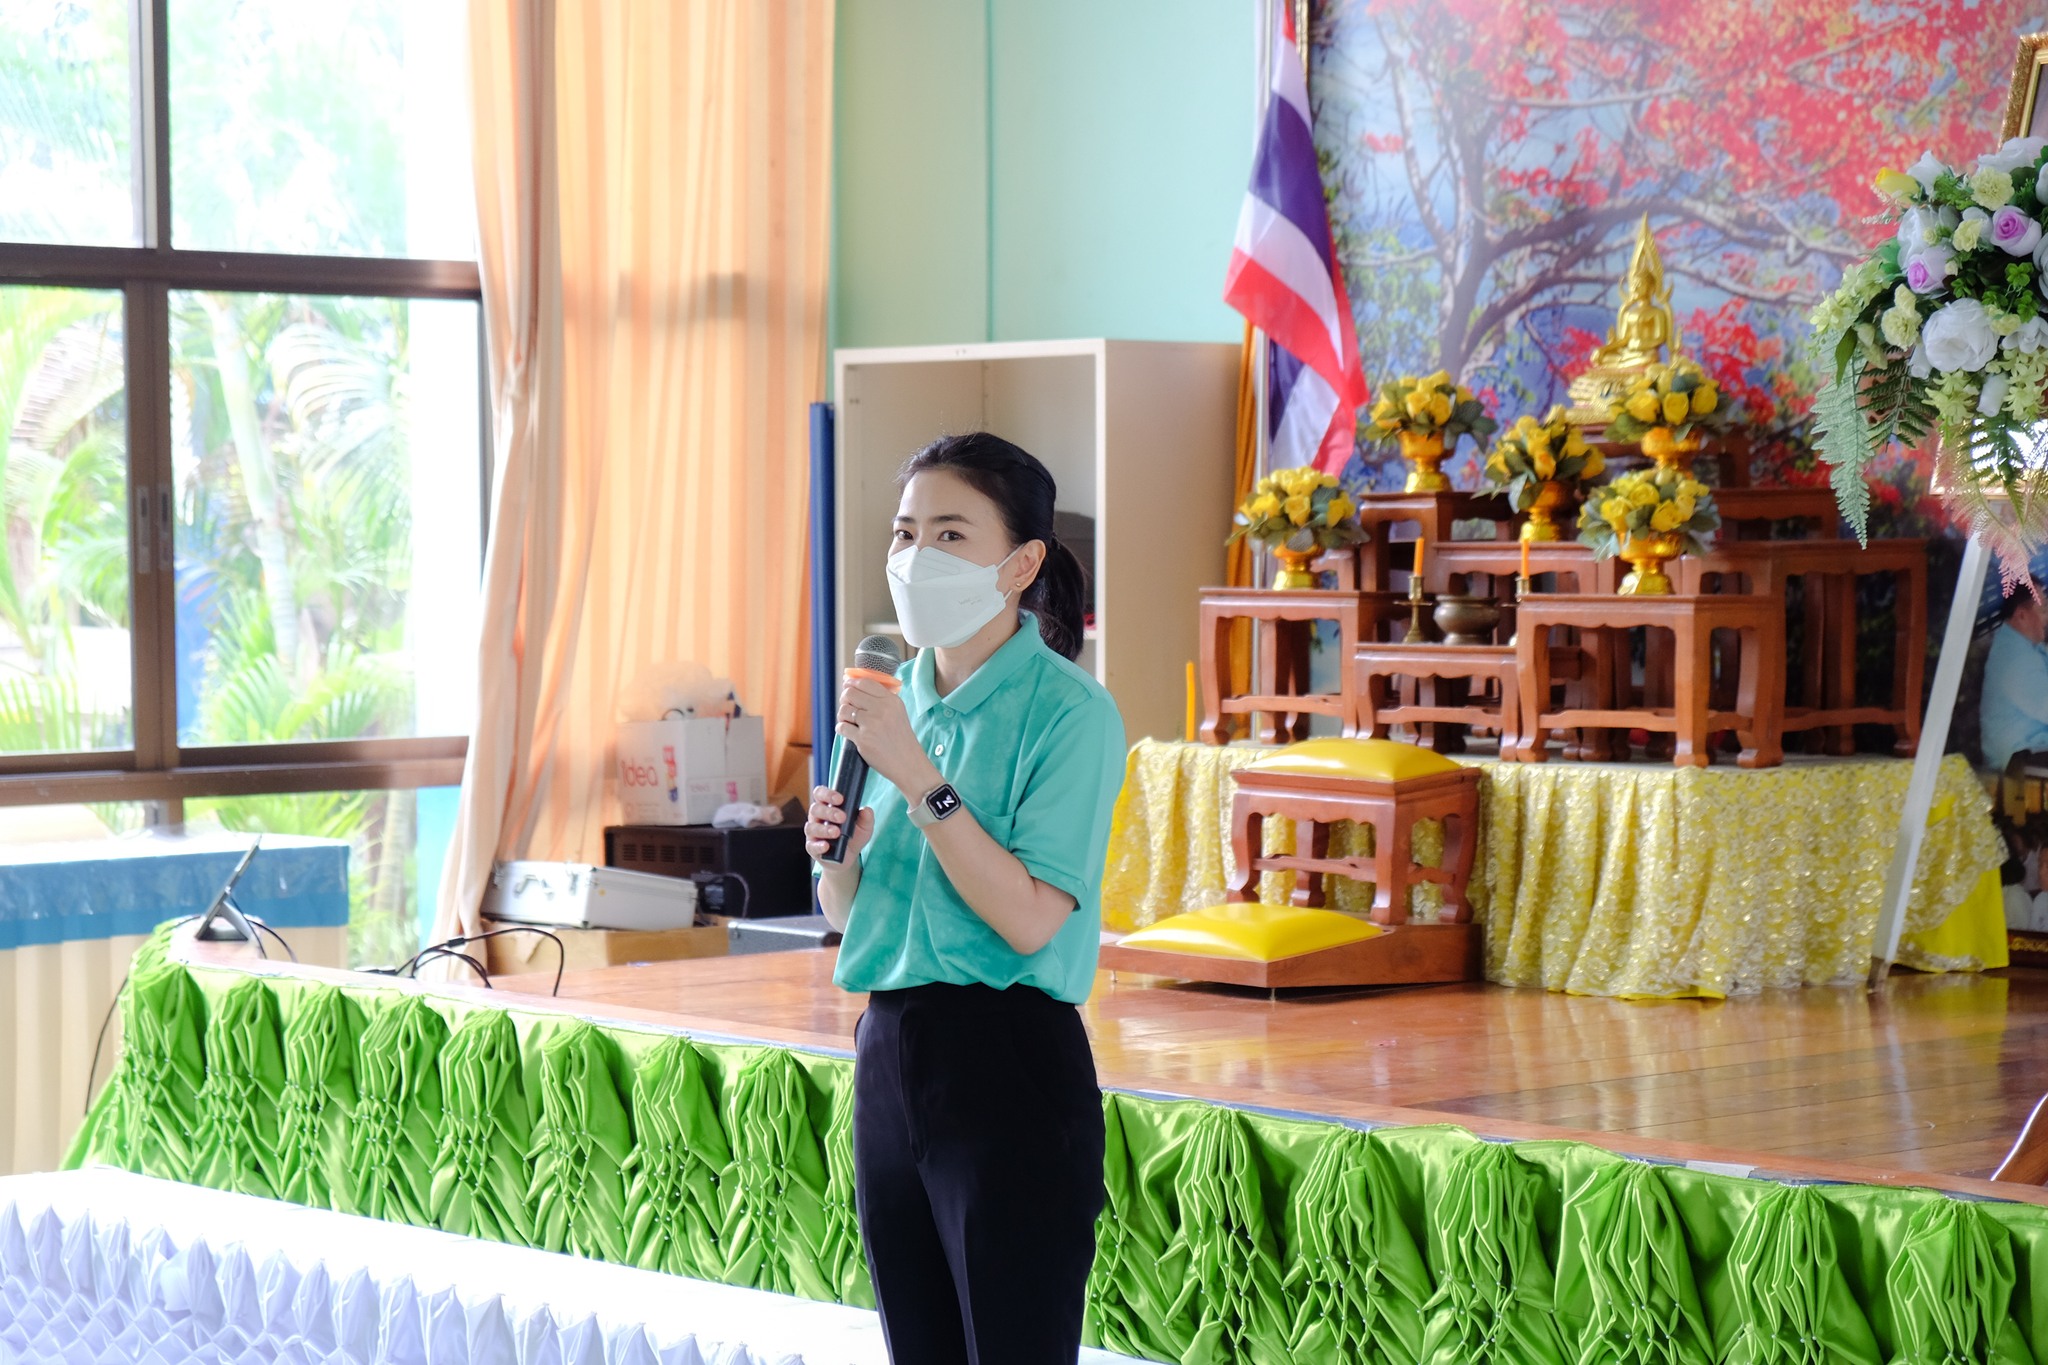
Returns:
point(1926, 1083)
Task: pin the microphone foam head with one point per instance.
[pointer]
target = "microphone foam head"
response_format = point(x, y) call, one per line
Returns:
point(878, 654)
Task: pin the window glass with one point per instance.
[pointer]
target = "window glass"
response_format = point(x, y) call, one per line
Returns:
point(66, 140)
point(65, 670)
point(34, 826)
point(325, 454)
point(321, 129)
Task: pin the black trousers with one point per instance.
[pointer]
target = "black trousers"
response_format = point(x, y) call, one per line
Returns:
point(977, 1154)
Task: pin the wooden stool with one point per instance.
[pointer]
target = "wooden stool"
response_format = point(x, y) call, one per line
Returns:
point(1369, 565)
point(1830, 569)
point(1439, 671)
point(1378, 782)
point(1759, 705)
point(1279, 675)
point(1753, 513)
point(1454, 563)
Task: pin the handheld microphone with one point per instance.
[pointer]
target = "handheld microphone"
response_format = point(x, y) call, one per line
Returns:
point(877, 657)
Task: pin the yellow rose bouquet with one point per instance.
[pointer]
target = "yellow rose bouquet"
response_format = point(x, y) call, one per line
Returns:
point(1431, 406)
point(1679, 397)
point(1649, 502)
point(1300, 510)
point(1536, 451)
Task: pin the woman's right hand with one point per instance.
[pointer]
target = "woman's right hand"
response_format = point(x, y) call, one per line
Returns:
point(827, 818)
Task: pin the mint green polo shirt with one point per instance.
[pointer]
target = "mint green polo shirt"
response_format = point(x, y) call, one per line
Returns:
point(1035, 747)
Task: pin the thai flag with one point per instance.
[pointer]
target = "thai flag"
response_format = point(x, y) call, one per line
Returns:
point(1284, 278)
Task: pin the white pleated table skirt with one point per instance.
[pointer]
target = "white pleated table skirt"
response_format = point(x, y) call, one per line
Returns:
point(105, 1266)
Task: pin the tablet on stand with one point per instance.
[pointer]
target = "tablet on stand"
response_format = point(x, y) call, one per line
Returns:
point(224, 921)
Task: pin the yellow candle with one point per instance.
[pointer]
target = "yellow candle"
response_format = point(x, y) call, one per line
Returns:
point(1525, 559)
point(1420, 546)
point(1191, 703)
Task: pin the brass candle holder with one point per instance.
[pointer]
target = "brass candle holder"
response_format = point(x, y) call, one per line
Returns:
point(1521, 591)
point(1417, 616)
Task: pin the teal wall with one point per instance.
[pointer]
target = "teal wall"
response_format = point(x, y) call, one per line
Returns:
point(1013, 170)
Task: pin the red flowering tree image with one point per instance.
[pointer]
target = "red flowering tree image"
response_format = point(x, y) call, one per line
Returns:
point(1487, 162)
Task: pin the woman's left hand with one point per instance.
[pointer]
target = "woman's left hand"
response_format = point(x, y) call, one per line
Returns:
point(874, 717)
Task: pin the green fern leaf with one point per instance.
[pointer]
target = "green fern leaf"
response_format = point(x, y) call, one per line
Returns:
point(1845, 443)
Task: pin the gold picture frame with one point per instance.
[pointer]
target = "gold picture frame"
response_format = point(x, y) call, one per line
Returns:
point(2023, 102)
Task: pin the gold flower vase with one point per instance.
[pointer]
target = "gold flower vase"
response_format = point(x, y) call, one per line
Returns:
point(1424, 452)
point(1294, 566)
point(1551, 498)
point(1664, 446)
point(1649, 553)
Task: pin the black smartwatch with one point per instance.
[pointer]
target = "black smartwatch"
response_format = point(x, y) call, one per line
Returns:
point(934, 806)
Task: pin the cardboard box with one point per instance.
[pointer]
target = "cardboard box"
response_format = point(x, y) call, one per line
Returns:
point(679, 772)
point(532, 956)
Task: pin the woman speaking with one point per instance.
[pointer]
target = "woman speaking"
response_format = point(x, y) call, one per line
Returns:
point(969, 896)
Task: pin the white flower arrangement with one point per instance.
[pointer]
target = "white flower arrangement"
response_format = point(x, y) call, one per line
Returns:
point(1944, 328)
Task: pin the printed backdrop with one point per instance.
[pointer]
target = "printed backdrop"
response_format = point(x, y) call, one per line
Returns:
point(1487, 162)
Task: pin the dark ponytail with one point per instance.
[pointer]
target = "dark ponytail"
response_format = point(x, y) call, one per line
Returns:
point(1023, 491)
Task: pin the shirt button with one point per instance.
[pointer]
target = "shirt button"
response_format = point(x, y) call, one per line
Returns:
point(939, 750)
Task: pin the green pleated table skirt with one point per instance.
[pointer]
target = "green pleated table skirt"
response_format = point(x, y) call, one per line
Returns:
point(1230, 1235)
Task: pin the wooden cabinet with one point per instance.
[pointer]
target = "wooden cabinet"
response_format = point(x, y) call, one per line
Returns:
point(1139, 436)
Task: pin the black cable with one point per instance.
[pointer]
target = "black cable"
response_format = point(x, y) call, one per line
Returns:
point(439, 951)
point(449, 947)
point(274, 934)
point(561, 949)
point(410, 967)
point(101, 1041)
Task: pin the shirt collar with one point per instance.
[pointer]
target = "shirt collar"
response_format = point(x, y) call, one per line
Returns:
point(922, 686)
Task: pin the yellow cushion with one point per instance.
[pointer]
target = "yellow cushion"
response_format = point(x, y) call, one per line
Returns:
point(1252, 932)
point(1383, 760)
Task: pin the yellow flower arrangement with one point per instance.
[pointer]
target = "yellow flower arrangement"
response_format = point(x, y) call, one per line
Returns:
point(1300, 509)
point(1648, 502)
point(1535, 451)
point(1432, 405)
point(1679, 395)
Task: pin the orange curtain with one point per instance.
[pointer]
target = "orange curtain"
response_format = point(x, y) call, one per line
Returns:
point(652, 181)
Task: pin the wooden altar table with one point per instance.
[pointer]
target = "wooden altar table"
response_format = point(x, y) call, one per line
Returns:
point(1759, 706)
point(1829, 684)
point(1279, 674)
point(1370, 565)
point(1454, 563)
point(1443, 675)
point(1749, 513)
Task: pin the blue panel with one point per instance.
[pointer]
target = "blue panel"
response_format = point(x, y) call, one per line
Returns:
point(434, 832)
point(103, 890)
point(824, 593)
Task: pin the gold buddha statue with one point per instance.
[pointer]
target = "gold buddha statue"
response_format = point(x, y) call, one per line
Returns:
point(1643, 327)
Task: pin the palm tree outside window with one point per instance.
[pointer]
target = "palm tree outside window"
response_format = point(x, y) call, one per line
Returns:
point(242, 457)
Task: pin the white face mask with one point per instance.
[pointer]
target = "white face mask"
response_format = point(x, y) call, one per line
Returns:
point(941, 599)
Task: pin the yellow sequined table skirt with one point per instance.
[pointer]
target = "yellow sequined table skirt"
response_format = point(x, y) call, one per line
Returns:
point(1621, 879)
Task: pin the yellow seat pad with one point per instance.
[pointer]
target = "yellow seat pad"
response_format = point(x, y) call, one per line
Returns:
point(1382, 760)
point(1252, 932)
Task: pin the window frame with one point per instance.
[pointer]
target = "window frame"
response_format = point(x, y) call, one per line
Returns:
point(156, 768)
